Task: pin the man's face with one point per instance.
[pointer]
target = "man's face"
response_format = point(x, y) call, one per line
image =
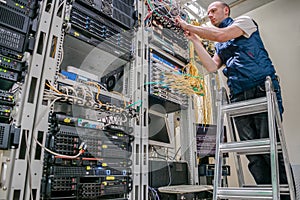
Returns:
point(217, 13)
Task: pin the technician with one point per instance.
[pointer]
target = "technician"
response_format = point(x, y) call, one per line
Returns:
point(247, 64)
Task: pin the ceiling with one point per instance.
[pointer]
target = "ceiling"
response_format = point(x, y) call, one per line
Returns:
point(238, 7)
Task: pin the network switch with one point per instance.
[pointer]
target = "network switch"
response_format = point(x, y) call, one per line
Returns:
point(9, 136)
point(5, 112)
point(9, 75)
point(6, 98)
point(8, 78)
point(12, 64)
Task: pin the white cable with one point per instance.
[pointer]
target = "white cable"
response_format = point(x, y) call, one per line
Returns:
point(103, 87)
point(57, 154)
point(125, 118)
point(81, 87)
point(54, 101)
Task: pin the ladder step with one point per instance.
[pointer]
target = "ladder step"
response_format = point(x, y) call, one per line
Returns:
point(240, 193)
point(284, 188)
point(247, 107)
point(248, 147)
point(253, 192)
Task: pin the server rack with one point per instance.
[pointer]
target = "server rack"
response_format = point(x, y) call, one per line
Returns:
point(25, 171)
point(15, 160)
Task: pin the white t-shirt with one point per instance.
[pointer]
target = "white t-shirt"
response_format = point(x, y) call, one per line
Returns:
point(246, 24)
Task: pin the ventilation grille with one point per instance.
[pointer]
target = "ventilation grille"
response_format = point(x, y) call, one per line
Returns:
point(121, 17)
point(128, 2)
point(123, 7)
point(68, 171)
point(13, 19)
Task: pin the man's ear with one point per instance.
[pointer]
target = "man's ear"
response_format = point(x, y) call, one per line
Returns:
point(226, 11)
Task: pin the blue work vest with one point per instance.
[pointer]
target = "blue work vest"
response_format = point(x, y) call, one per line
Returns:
point(246, 59)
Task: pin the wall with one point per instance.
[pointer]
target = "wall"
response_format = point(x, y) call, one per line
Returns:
point(280, 29)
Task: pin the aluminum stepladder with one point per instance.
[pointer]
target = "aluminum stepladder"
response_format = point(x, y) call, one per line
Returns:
point(258, 146)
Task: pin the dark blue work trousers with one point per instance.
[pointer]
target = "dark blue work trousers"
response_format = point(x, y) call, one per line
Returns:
point(255, 126)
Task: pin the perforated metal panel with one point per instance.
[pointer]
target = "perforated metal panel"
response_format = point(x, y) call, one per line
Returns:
point(14, 19)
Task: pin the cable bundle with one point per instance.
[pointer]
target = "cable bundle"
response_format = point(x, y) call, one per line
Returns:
point(164, 11)
point(184, 83)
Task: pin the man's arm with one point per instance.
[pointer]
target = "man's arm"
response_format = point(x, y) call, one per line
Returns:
point(216, 34)
point(211, 33)
point(210, 64)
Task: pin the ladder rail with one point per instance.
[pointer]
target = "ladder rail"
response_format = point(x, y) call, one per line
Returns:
point(284, 149)
point(220, 134)
point(273, 140)
point(237, 157)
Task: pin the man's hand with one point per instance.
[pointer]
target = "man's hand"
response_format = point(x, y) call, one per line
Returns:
point(181, 23)
point(191, 36)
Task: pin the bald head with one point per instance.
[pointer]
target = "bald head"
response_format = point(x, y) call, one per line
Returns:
point(217, 12)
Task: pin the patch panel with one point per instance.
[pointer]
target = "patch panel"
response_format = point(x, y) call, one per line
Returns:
point(160, 92)
point(157, 58)
point(174, 37)
point(172, 44)
point(112, 118)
